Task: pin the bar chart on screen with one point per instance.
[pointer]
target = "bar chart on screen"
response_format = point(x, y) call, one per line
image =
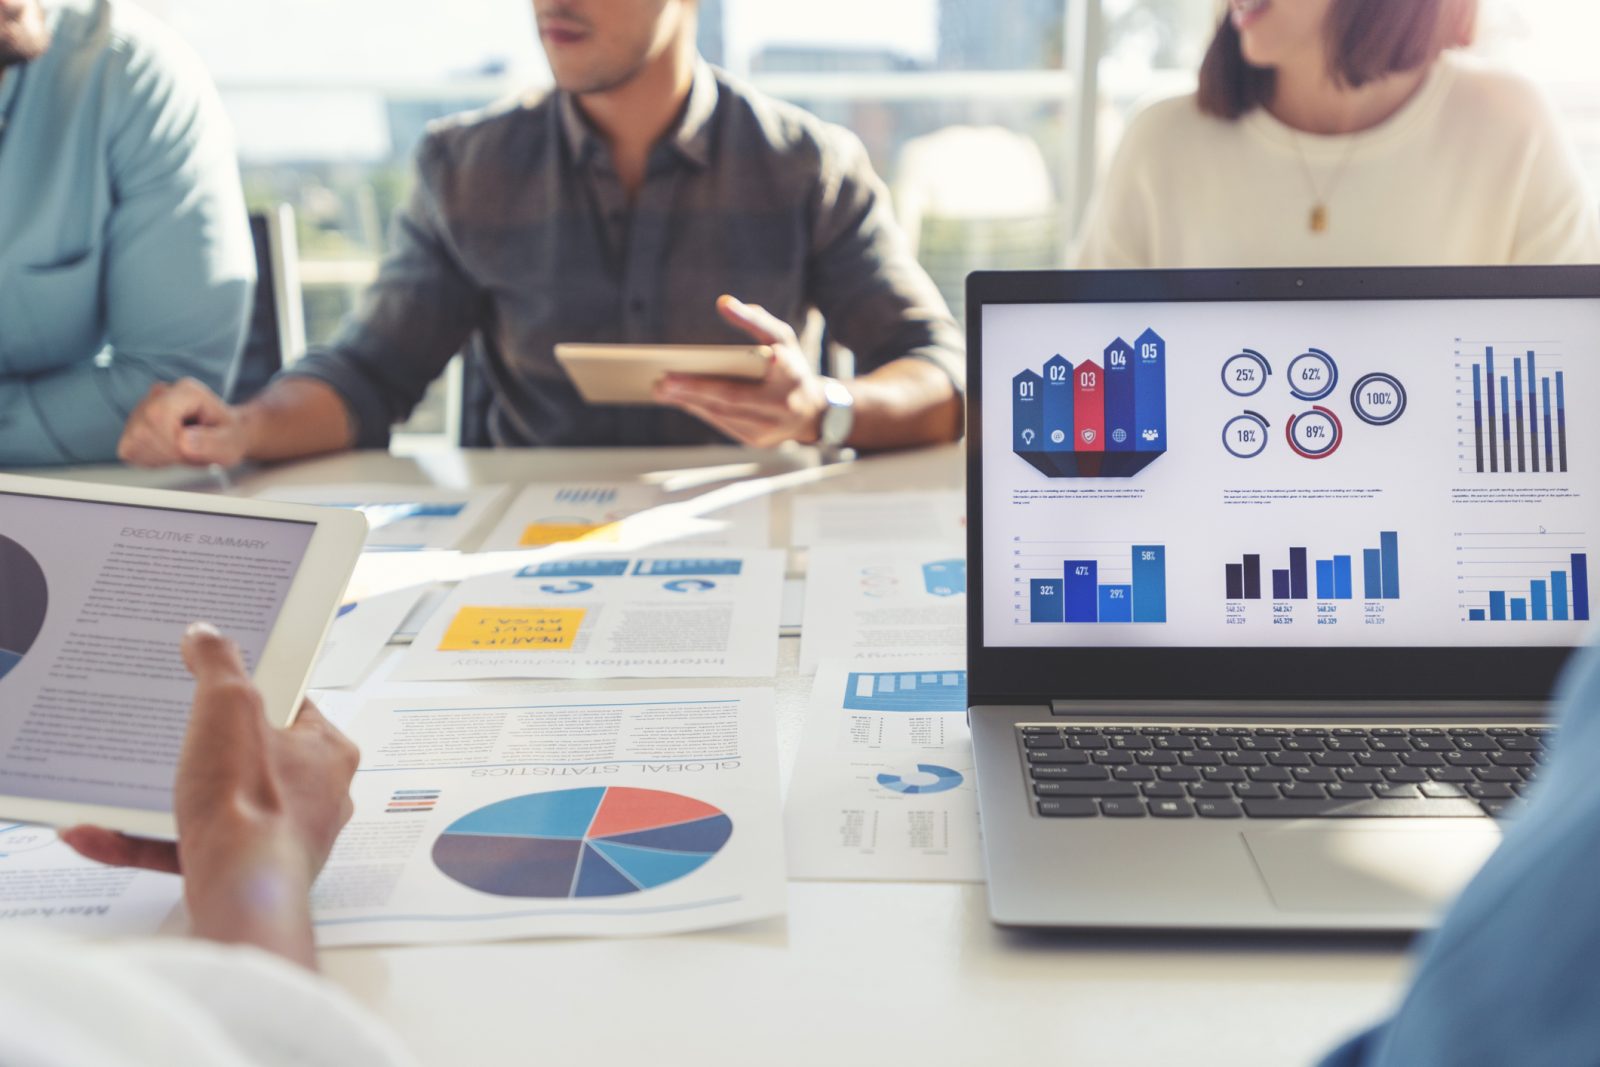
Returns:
point(1539, 575)
point(1321, 587)
point(1089, 582)
point(1511, 408)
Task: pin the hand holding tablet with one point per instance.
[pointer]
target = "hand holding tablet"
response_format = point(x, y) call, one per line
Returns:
point(98, 584)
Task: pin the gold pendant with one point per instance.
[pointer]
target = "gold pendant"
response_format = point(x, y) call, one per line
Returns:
point(1319, 218)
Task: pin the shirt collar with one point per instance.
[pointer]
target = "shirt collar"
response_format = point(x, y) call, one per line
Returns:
point(691, 137)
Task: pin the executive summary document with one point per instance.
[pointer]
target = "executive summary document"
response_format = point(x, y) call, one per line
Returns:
point(876, 518)
point(555, 815)
point(883, 788)
point(884, 600)
point(626, 516)
point(403, 518)
point(655, 616)
point(45, 885)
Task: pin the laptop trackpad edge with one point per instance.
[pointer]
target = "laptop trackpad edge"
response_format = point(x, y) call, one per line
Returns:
point(1378, 869)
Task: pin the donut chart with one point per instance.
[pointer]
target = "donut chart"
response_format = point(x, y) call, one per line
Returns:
point(602, 841)
point(928, 778)
point(24, 600)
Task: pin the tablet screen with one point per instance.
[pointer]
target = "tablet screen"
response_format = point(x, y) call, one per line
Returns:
point(94, 598)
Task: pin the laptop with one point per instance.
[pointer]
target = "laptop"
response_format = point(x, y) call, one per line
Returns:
point(1272, 573)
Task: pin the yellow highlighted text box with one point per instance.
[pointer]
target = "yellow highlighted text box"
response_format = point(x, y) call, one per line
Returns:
point(554, 533)
point(512, 630)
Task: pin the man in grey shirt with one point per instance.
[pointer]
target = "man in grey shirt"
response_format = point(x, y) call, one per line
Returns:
point(622, 207)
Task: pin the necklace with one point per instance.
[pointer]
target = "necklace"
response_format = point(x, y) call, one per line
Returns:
point(1320, 197)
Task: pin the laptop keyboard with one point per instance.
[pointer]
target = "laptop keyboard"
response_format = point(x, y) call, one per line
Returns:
point(1270, 772)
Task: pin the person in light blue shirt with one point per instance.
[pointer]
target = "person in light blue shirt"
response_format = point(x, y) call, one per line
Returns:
point(1512, 975)
point(125, 254)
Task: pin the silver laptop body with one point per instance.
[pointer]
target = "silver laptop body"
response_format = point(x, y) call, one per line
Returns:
point(1269, 516)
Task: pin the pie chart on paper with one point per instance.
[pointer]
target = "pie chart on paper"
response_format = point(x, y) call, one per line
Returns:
point(24, 599)
point(602, 841)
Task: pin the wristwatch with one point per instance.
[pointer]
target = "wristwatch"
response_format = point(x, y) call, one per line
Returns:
point(839, 417)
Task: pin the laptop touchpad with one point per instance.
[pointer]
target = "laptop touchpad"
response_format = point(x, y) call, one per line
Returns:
point(1377, 870)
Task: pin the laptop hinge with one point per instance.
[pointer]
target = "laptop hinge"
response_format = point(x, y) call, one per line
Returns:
point(1296, 709)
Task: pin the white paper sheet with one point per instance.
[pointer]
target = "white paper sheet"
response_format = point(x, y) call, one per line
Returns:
point(623, 517)
point(409, 518)
point(883, 788)
point(45, 885)
point(871, 518)
point(359, 634)
point(873, 601)
point(554, 815)
point(655, 616)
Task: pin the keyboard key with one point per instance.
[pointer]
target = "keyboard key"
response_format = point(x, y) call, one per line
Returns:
point(1348, 744)
point(1512, 759)
point(1350, 791)
point(1224, 774)
point(1433, 744)
point(1289, 759)
point(1316, 774)
point(1163, 791)
point(1466, 759)
point(1053, 731)
point(1403, 791)
point(1157, 759)
point(1311, 731)
point(1211, 791)
point(1490, 791)
point(1259, 744)
point(1245, 759)
point(1442, 789)
point(1174, 743)
point(1217, 809)
point(1216, 744)
point(1125, 809)
point(1086, 741)
point(1133, 774)
point(1113, 758)
point(1302, 791)
point(1270, 774)
point(1477, 744)
point(1421, 759)
point(1459, 775)
point(1096, 789)
point(1056, 755)
point(1178, 774)
point(1171, 809)
point(1497, 809)
point(1520, 744)
point(1256, 791)
point(1303, 744)
point(1363, 774)
point(1378, 759)
point(1406, 774)
point(1233, 731)
point(1333, 759)
point(1052, 772)
point(1073, 809)
point(1051, 740)
point(1390, 744)
point(1361, 809)
point(1498, 774)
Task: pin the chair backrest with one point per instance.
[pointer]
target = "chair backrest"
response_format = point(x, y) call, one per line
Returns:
point(277, 320)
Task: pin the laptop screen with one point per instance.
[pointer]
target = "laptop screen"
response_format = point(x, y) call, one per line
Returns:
point(1311, 474)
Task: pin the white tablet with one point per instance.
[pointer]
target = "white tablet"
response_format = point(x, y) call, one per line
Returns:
point(97, 586)
point(627, 374)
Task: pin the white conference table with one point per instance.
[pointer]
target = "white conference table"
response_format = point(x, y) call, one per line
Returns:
point(858, 973)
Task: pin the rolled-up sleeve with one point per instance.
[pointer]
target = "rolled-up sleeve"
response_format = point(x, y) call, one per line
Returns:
point(863, 277)
point(413, 319)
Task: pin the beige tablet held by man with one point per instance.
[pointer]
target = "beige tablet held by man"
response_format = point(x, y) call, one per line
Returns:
point(627, 374)
point(97, 586)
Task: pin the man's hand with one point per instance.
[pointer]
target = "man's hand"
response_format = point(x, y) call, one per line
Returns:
point(258, 809)
point(786, 405)
point(184, 422)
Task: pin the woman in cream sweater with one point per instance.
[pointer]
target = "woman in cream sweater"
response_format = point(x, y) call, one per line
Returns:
point(1344, 133)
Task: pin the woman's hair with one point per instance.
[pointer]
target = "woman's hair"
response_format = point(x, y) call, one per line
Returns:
point(1366, 40)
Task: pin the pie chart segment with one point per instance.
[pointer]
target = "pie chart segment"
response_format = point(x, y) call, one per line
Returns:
point(602, 841)
point(509, 866)
point(24, 598)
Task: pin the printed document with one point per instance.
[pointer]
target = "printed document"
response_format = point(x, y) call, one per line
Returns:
point(361, 631)
point(656, 616)
point(883, 787)
point(866, 518)
point(45, 885)
point(884, 600)
point(403, 518)
point(557, 815)
point(624, 517)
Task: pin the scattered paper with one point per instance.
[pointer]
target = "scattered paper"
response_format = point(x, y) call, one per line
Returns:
point(45, 885)
point(557, 815)
point(868, 518)
point(409, 518)
point(629, 516)
point(883, 788)
point(359, 634)
point(870, 601)
point(608, 617)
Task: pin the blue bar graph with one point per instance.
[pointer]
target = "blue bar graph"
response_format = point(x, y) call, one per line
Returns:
point(1518, 406)
point(1334, 576)
point(1563, 596)
point(1080, 595)
point(922, 692)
